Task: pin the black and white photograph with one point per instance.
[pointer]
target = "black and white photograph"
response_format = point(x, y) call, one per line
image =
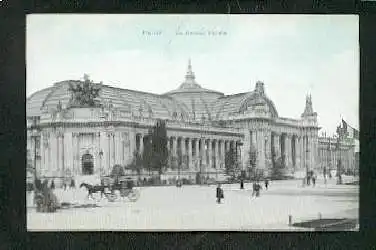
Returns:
point(139, 122)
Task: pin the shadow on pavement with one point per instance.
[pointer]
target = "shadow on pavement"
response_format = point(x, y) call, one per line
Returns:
point(342, 224)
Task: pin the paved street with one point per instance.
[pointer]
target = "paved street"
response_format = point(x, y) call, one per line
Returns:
point(194, 208)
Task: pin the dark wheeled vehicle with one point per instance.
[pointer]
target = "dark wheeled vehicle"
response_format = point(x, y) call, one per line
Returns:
point(125, 187)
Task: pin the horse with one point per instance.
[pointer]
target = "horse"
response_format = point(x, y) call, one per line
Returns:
point(93, 189)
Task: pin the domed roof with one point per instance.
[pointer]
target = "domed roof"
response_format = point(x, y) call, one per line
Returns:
point(137, 102)
point(198, 100)
point(190, 85)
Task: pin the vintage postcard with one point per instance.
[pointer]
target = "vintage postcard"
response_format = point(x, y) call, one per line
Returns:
point(192, 122)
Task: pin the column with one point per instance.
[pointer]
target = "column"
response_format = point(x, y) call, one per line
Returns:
point(245, 149)
point(132, 143)
point(289, 151)
point(96, 153)
point(174, 146)
point(189, 153)
point(103, 161)
point(74, 153)
point(268, 147)
point(113, 151)
point(260, 150)
point(203, 153)
point(223, 154)
point(141, 144)
point(312, 150)
point(307, 151)
point(277, 145)
point(210, 153)
point(216, 154)
point(315, 148)
point(297, 152)
point(61, 154)
point(109, 153)
point(45, 159)
point(197, 153)
point(168, 145)
point(117, 143)
point(68, 153)
point(54, 154)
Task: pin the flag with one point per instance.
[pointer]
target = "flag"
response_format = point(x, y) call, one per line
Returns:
point(349, 131)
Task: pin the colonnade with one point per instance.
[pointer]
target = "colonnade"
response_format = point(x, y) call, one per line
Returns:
point(62, 150)
point(200, 154)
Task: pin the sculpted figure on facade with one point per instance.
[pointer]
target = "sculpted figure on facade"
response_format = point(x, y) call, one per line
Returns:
point(84, 94)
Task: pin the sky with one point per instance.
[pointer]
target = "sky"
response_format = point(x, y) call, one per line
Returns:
point(292, 54)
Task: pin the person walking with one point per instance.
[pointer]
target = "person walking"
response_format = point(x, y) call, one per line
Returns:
point(254, 188)
point(241, 184)
point(313, 180)
point(219, 193)
point(266, 184)
point(258, 188)
point(72, 184)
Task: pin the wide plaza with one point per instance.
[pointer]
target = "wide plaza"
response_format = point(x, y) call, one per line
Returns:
point(193, 208)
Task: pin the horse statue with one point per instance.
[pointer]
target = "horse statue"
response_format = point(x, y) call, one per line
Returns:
point(93, 189)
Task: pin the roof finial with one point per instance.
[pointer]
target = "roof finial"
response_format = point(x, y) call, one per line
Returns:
point(189, 71)
point(308, 110)
point(190, 75)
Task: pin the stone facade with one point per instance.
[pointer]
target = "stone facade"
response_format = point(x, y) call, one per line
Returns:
point(202, 124)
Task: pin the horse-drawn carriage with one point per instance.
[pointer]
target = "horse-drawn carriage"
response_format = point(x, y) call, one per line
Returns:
point(109, 186)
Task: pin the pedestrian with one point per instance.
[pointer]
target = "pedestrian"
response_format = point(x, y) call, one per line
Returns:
point(313, 180)
point(52, 184)
point(219, 193)
point(254, 187)
point(72, 184)
point(241, 184)
point(266, 184)
point(258, 188)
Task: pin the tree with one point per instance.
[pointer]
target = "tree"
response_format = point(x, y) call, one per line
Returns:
point(136, 163)
point(159, 146)
point(116, 172)
point(278, 169)
point(230, 161)
point(147, 154)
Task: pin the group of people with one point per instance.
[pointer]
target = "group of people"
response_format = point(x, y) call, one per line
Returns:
point(256, 189)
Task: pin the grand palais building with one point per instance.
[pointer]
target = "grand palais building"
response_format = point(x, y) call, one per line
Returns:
point(85, 128)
